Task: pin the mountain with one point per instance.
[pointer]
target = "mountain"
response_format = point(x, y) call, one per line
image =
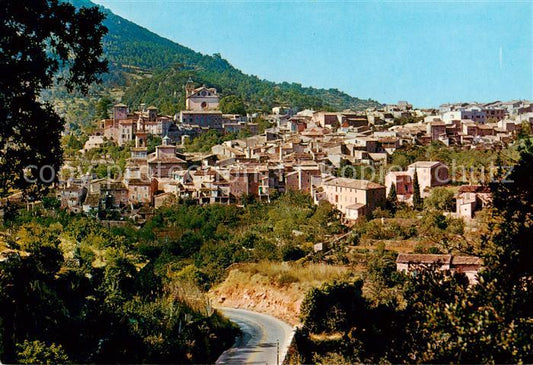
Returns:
point(155, 69)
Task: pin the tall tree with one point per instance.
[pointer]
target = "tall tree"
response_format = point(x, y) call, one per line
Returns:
point(392, 199)
point(492, 321)
point(102, 108)
point(417, 199)
point(507, 249)
point(44, 42)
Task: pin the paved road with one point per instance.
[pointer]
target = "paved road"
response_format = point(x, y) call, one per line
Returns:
point(258, 343)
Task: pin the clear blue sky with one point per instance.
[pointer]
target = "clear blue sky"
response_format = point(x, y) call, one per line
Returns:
point(424, 52)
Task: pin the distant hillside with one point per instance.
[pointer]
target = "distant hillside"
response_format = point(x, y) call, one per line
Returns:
point(132, 48)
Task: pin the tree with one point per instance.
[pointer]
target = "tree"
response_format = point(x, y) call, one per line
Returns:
point(43, 42)
point(152, 142)
point(490, 322)
point(232, 104)
point(38, 352)
point(440, 199)
point(417, 199)
point(346, 169)
point(392, 199)
point(102, 108)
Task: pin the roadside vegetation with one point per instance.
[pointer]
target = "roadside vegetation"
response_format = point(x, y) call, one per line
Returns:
point(428, 315)
point(74, 288)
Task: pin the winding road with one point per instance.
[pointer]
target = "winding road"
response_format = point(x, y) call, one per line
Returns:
point(258, 343)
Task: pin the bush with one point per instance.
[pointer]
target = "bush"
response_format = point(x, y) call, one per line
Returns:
point(292, 252)
point(440, 199)
point(38, 352)
point(332, 307)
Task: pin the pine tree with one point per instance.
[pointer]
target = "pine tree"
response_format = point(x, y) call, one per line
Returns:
point(392, 199)
point(417, 199)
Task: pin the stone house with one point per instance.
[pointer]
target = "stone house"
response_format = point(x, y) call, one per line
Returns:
point(430, 174)
point(468, 265)
point(354, 198)
point(471, 198)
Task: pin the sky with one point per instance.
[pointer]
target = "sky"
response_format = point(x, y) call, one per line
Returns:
point(425, 52)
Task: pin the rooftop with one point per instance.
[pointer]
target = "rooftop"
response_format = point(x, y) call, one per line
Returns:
point(353, 183)
point(424, 164)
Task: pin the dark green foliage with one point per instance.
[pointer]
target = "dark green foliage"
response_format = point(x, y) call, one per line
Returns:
point(417, 199)
point(152, 141)
point(439, 317)
point(346, 169)
point(51, 203)
point(292, 252)
point(367, 333)
point(42, 42)
point(407, 119)
point(59, 309)
point(205, 141)
point(333, 306)
point(103, 106)
point(440, 199)
point(132, 48)
point(232, 104)
point(392, 199)
point(510, 244)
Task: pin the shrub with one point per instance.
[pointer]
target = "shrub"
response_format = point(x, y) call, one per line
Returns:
point(38, 352)
point(292, 252)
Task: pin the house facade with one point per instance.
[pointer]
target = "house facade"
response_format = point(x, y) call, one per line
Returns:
point(430, 174)
point(201, 98)
point(354, 198)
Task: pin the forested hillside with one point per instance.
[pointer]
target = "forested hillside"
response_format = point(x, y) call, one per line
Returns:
point(132, 48)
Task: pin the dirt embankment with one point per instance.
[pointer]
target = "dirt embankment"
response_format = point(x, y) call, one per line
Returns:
point(274, 289)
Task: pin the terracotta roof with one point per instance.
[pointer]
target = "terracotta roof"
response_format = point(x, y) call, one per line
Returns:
point(466, 260)
point(139, 182)
point(353, 183)
point(474, 189)
point(405, 258)
point(166, 159)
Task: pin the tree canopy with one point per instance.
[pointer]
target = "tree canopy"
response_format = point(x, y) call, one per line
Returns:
point(232, 104)
point(43, 43)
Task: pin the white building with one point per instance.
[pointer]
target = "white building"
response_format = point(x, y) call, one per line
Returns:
point(201, 98)
point(354, 198)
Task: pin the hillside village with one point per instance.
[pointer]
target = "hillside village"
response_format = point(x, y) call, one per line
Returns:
point(159, 205)
point(315, 152)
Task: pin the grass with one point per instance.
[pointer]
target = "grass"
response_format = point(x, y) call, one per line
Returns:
point(288, 273)
point(274, 288)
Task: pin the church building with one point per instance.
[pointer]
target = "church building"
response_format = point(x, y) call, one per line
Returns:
point(201, 107)
point(201, 98)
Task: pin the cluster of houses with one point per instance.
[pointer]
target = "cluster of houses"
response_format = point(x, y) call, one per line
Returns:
point(200, 115)
point(303, 151)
